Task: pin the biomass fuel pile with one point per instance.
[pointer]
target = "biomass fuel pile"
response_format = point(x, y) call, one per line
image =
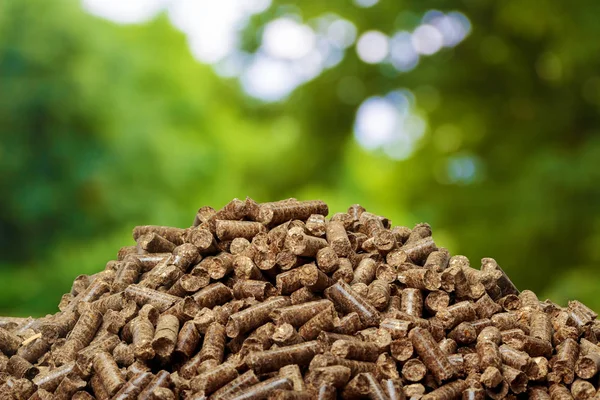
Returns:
point(274, 301)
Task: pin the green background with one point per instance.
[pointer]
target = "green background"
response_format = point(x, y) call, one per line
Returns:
point(106, 126)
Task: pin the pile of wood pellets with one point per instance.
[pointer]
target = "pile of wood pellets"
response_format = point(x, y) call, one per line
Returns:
point(274, 301)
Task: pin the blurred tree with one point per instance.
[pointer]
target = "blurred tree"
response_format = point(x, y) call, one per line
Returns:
point(105, 126)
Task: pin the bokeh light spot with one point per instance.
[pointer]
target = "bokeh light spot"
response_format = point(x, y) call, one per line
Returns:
point(287, 39)
point(389, 123)
point(125, 12)
point(366, 3)
point(404, 57)
point(269, 79)
point(427, 39)
point(376, 122)
point(341, 33)
point(372, 47)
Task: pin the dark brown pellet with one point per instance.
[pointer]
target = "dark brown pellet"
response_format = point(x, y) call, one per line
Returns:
point(327, 260)
point(323, 321)
point(82, 334)
point(229, 230)
point(538, 393)
point(588, 365)
point(237, 385)
point(154, 243)
point(566, 357)
point(214, 379)
point(505, 284)
point(275, 213)
point(142, 295)
point(378, 294)
point(302, 244)
point(213, 295)
point(538, 369)
point(298, 314)
point(313, 278)
point(541, 326)
point(288, 281)
point(173, 235)
point(464, 333)
point(218, 266)
point(271, 360)
point(437, 260)
point(457, 313)
point(349, 324)
point(127, 274)
point(189, 283)
point(201, 238)
point(303, 295)
point(259, 290)
point(489, 354)
point(486, 307)
point(365, 271)
point(517, 380)
point(19, 367)
point(345, 298)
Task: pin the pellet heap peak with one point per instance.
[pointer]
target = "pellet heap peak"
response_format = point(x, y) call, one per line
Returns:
point(274, 301)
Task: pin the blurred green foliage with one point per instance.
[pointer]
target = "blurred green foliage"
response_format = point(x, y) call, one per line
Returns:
point(105, 126)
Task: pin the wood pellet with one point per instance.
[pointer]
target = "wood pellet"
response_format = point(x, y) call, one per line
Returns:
point(277, 301)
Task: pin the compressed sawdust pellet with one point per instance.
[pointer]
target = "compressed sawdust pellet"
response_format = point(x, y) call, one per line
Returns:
point(274, 300)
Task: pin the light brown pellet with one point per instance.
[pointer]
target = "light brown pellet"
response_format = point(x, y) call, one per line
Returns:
point(108, 372)
point(252, 317)
point(431, 355)
point(414, 370)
